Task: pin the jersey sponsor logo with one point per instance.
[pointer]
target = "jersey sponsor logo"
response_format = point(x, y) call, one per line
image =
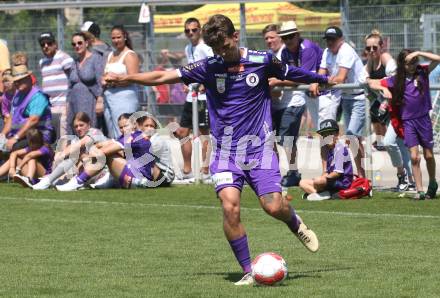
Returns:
point(252, 79)
point(221, 85)
point(256, 58)
point(192, 66)
point(236, 68)
point(222, 178)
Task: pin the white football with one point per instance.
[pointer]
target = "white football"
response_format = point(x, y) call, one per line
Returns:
point(269, 269)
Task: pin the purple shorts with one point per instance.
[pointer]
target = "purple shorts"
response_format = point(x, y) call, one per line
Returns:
point(418, 132)
point(125, 177)
point(260, 171)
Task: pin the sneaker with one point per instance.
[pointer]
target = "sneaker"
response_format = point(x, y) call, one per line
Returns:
point(403, 182)
point(419, 196)
point(307, 236)
point(103, 182)
point(432, 190)
point(72, 185)
point(246, 280)
point(292, 178)
point(23, 180)
point(207, 179)
point(186, 176)
point(325, 195)
point(411, 187)
point(43, 184)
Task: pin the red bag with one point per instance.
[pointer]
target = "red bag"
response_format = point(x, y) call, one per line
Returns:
point(360, 187)
point(396, 122)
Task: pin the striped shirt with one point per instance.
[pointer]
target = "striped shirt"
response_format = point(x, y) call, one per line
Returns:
point(55, 80)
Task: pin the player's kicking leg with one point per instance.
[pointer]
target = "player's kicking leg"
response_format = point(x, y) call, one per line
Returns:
point(278, 207)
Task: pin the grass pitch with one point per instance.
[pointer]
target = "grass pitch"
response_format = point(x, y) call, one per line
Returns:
point(170, 243)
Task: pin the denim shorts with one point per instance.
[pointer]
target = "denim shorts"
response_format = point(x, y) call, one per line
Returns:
point(354, 116)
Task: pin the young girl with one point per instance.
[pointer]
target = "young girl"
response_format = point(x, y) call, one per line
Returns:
point(72, 154)
point(409, 94)
point(339, 172)
point(138, 169)
point(33, 161)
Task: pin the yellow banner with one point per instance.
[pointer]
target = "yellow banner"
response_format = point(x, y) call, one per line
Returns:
point(258, 15)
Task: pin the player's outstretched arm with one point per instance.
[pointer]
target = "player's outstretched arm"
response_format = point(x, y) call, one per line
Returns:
point(152, 78)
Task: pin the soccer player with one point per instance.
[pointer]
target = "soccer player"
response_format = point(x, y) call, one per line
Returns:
point(238, 94)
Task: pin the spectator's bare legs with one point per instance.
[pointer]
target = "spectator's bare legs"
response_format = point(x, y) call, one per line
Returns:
point(206, 149)
point(181, 133)
point(358, 159)
point(314, 185)
point(430, 163)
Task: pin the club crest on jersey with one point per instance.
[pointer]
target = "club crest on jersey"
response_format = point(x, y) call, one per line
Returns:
point(252, 79)
point(221, 85)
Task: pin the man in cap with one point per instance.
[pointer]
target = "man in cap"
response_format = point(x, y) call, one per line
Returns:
point(55, 68)
point(339, 171)
point(341, 62)
point(306, 55)
point(29, 109)
point(94, 32)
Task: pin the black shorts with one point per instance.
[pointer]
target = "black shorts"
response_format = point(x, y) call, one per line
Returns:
point(376, 116)
point(186, 118)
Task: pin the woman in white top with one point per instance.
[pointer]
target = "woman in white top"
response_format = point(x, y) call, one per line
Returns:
point(121, 99)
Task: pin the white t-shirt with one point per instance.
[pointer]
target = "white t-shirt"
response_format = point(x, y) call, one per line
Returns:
point(193, 54)
point(347, 58)
point(160, 148)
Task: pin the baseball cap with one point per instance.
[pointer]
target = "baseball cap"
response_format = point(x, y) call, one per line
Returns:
point(91, 27)
point(332, 32)
point(328, 125)
point(46, 36)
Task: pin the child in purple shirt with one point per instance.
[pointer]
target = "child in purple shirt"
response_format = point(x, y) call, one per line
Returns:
point(339, 172)
point(408, 92)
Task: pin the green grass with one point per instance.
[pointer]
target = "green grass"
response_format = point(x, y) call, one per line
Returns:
point(161, 243)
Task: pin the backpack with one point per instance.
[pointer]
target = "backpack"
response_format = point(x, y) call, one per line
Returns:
point(360, 187)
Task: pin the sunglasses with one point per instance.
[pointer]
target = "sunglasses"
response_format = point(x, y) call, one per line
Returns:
point(288, 37)
point(48, 43)
point(194, 30)
point(79, 43)
point(374, 48)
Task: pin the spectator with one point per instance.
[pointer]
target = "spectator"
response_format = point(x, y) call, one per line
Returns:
point(6, 99)
point(303, 53)
point(380, 64)
point(21, 58)
point(195, 50)
point(162, 92)
point(4, 61)
point(339, 171)
point(85, 93)
point(55, 67)
point(121, 99)
point(30, 109)
point(94, 32)
point(341, 62)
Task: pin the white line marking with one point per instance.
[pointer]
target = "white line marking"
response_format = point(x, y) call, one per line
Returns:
point(354, 214)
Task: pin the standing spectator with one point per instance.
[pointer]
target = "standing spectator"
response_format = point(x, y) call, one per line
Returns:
point(29, 109)
point(4, 61)
point(55, 67)
point(305, 54)
point(85, 81)
point(195, 50)
point(94, 32)
point(341, 62)
point(6, 101)
point(380, 64)
point(122, 99)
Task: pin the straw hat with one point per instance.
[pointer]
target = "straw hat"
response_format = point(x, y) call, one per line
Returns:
point(288, 28)
point(19, 72)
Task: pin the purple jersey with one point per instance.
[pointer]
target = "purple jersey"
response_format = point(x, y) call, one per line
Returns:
point(308, 56)
point(46, 157)
point(137, 152)
point(416, 103)
point(339, 161)
point(239, 98)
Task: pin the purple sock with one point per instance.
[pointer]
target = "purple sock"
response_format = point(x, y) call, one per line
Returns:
point(241, 251)
point(294, 222)
point(82, 178)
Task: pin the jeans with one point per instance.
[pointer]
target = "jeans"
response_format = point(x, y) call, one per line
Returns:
point(397, 150)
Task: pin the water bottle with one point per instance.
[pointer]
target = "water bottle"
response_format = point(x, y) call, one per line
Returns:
point(377, 178)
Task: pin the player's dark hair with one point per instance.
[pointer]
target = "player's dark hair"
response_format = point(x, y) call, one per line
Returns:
point(217, 29)
point(81, 116)
point(191, 20)
point(124, 116)
point(269, 28)
point(127, 38)
point(401, 75)
point(34, 138)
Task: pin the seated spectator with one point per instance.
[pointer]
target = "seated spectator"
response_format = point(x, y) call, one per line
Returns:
point(29, 163)
point(339, 173)
point(29, 109)
point(21, 58)
point(71, 156)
